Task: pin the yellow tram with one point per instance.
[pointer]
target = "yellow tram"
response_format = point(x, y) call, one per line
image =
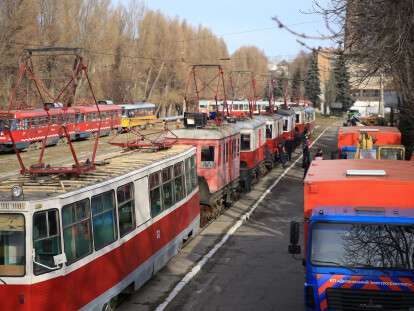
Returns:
point(137, 115)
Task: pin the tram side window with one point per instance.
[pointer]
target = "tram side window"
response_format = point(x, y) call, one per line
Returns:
point(46, 240)
point(190, 174)
point(285, 125)
point(77, 231)
point(194, 177)
point(125, 197)
point(179, 185)
point(245, 142)
point(227, 151)
point(269, 130)
point(104, 219)
point(12, 245)
point(207, 156)
point(167, 187)
point(23, 124)
point(297, 118)
point(155, 194)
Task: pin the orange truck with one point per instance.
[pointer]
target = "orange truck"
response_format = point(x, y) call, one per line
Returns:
point(370, 142)
point(358, 235)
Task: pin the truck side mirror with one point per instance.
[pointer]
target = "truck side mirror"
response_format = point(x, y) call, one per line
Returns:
point(294, 248)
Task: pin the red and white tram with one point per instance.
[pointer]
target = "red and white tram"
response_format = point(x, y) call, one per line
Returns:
point(252, 150)
point(30, 126)
point(288, 123)
point(218, 163)
point(274, 136)
point(242, 108)
point(75, 244)
point(299, 119)
point(310, 118)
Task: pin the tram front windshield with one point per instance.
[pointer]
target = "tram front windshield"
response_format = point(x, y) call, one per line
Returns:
point(391, 154)
point(363, 245)
point(12, 245)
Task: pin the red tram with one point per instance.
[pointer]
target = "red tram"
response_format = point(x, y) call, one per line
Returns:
point(252, 150)
point(304, 118)
point(218, 162)
point(31, 126)
point(289, 118)
point(75, 244)
point(274, 136)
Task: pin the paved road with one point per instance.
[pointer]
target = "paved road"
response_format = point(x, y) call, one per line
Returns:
point(253, 271)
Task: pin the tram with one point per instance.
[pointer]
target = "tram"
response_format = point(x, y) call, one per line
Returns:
point(137, 115)
point(242, 108)
point(252, 151)
point(218, 162)
point(274, 136)
point(289, 117)
point(76, 243)
point(31, 126)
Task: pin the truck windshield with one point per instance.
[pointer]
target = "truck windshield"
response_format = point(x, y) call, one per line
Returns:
point(391, 154)
point(12, 245)
point(363, 245)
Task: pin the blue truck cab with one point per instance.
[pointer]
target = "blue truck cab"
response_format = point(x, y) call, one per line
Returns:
point(358, 236)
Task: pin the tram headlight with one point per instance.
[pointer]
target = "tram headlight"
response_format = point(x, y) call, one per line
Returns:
point(16, 192)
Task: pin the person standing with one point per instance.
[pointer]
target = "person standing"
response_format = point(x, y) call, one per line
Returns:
point(306, 154)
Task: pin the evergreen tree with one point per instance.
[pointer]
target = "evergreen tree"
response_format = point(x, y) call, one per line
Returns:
point(278, 88)
point(343, 90)
point(312, 82)
point(295, 87)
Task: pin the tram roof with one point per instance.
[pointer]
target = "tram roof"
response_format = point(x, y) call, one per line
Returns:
point(298, 108)
point(285, 112)
point(250, 123)
point(269, 117)
point(351, 170)
point(115, 167)
point(209, 132)
point(137, 105)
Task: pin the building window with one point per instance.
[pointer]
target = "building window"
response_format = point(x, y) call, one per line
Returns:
point(126, 208)
point(227, 151)
point(167, 187)
point(77, 233)
point(46, 240)
point(179, 184)
point(245, 142)
point(207, 156)
point(155, 194)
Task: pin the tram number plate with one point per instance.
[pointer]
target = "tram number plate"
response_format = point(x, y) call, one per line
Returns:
point(158, 233)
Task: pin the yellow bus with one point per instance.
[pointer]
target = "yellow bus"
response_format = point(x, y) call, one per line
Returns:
point(137, 115)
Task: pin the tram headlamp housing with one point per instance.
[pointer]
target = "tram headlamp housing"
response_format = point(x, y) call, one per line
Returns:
point(16, 192)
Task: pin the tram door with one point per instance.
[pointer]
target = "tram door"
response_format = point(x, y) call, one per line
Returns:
point(142, 208)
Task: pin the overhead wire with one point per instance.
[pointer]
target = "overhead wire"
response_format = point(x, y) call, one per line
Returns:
point(176, 60)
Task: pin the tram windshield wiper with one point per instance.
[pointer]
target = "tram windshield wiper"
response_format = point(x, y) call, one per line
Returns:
point(333, 264)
